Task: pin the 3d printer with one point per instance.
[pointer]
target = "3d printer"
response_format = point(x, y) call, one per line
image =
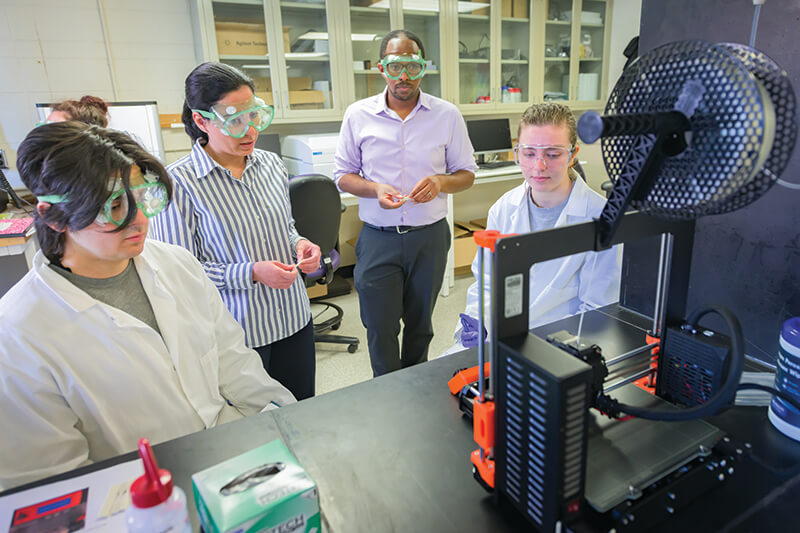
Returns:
point(691, 129)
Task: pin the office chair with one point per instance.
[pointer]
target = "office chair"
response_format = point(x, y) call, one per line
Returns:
point(579, 170)
point(606, 186)
point(317, 210)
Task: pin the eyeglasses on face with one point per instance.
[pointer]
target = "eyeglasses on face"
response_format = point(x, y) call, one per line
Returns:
point(553, 156)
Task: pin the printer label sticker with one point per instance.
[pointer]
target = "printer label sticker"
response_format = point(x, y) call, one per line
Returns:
point(513, 288)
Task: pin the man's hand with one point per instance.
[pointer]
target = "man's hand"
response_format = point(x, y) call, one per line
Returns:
point(388, 197)
point(274, 274)
point(426, 189)
point(308, 255)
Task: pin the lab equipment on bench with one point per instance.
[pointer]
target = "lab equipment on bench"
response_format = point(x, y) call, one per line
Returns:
point(309, 154)
point(675, 121)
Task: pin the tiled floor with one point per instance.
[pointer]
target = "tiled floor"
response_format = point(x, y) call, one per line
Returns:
point(336, 368)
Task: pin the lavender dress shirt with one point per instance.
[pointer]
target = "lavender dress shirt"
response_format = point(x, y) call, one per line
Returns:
point(377, 144)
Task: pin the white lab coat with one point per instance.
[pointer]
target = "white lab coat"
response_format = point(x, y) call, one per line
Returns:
point(561, 287)
point(81, 381)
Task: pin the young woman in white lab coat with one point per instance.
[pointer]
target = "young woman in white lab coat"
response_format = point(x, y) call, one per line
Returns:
point(111, 337)
point(552, 195)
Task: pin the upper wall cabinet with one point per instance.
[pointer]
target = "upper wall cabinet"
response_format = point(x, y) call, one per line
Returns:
point(423, 18)
point(494, 55)
point(488, 57)
point(575, 57)
point(371, 20)
point(306, 54)
point(262, 37)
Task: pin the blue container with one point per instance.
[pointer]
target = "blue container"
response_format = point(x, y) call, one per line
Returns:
point(787, 380)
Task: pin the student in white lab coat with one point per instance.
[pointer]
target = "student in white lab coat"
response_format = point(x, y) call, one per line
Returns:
point(552, 195)
point(110, 337)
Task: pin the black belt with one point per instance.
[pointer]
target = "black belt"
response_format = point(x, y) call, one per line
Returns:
point(398, 229)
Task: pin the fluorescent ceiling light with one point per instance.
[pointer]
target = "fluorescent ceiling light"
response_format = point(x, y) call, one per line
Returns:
point(255, 67)
point(431, 5)
point(323, 36)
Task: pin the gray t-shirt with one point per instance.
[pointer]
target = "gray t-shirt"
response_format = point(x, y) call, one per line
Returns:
point(544, 217)
point(123, 291)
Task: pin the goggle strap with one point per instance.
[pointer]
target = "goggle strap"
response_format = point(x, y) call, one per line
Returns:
point(205, 114)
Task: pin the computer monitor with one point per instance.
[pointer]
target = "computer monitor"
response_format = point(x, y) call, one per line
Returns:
point(137, 119)
point(489, 136)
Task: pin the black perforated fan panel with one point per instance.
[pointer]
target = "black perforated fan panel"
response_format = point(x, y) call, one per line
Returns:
point(716, 173)
point(776, 83)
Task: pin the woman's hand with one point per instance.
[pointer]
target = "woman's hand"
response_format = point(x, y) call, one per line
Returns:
point(274, 274)
point(308, 256)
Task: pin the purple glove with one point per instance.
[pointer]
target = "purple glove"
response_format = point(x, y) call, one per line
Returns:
point(469, 331)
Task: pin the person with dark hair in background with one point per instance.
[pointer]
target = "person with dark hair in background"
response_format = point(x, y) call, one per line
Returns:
point(109, 337)
point(401, 152)
point(89, 109)
point(231, 210)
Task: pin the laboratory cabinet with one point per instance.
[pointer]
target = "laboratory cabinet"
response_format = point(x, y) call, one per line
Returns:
point(261, 37)
point(490, 57)
point(575, 51)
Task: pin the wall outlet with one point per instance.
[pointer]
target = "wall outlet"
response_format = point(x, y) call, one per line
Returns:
point(3, 160)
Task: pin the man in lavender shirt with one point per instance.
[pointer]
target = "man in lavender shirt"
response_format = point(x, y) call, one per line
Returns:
point(401, 152)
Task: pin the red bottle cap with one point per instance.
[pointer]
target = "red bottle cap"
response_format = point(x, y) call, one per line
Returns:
point(155, 486)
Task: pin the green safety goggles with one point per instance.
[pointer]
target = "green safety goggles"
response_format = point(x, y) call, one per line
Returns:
point(150, 197)
point(235, 120)
point(394, 65)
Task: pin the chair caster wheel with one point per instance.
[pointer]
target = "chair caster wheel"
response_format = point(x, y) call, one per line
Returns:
point(352, 348)
point(335, 327)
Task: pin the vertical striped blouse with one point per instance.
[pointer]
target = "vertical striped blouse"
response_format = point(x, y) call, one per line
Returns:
point(228, 224)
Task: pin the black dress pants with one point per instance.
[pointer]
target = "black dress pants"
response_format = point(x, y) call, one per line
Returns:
point(292, 361)
point(398, 276)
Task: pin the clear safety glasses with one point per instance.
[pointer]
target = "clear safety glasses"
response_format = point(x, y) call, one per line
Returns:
point(150, 197)
point(234, 120)
point(553, 156)
point(393, 66)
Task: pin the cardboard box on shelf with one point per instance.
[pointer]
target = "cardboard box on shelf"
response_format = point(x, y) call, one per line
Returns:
point(519, 9)
point(299, 99)
point(507, 10)
point(242, 38)
point(239, 38)
point(264, 84)
point(287, 46)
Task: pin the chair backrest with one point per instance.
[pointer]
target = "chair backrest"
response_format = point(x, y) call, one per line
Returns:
point(317, 209)
point(579, 170)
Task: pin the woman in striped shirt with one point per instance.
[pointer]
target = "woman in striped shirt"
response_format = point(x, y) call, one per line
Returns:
point(231, 210)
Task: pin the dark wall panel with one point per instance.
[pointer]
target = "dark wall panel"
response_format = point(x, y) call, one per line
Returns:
point(748, 260)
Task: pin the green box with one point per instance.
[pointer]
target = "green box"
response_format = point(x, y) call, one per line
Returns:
point(264, 490)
